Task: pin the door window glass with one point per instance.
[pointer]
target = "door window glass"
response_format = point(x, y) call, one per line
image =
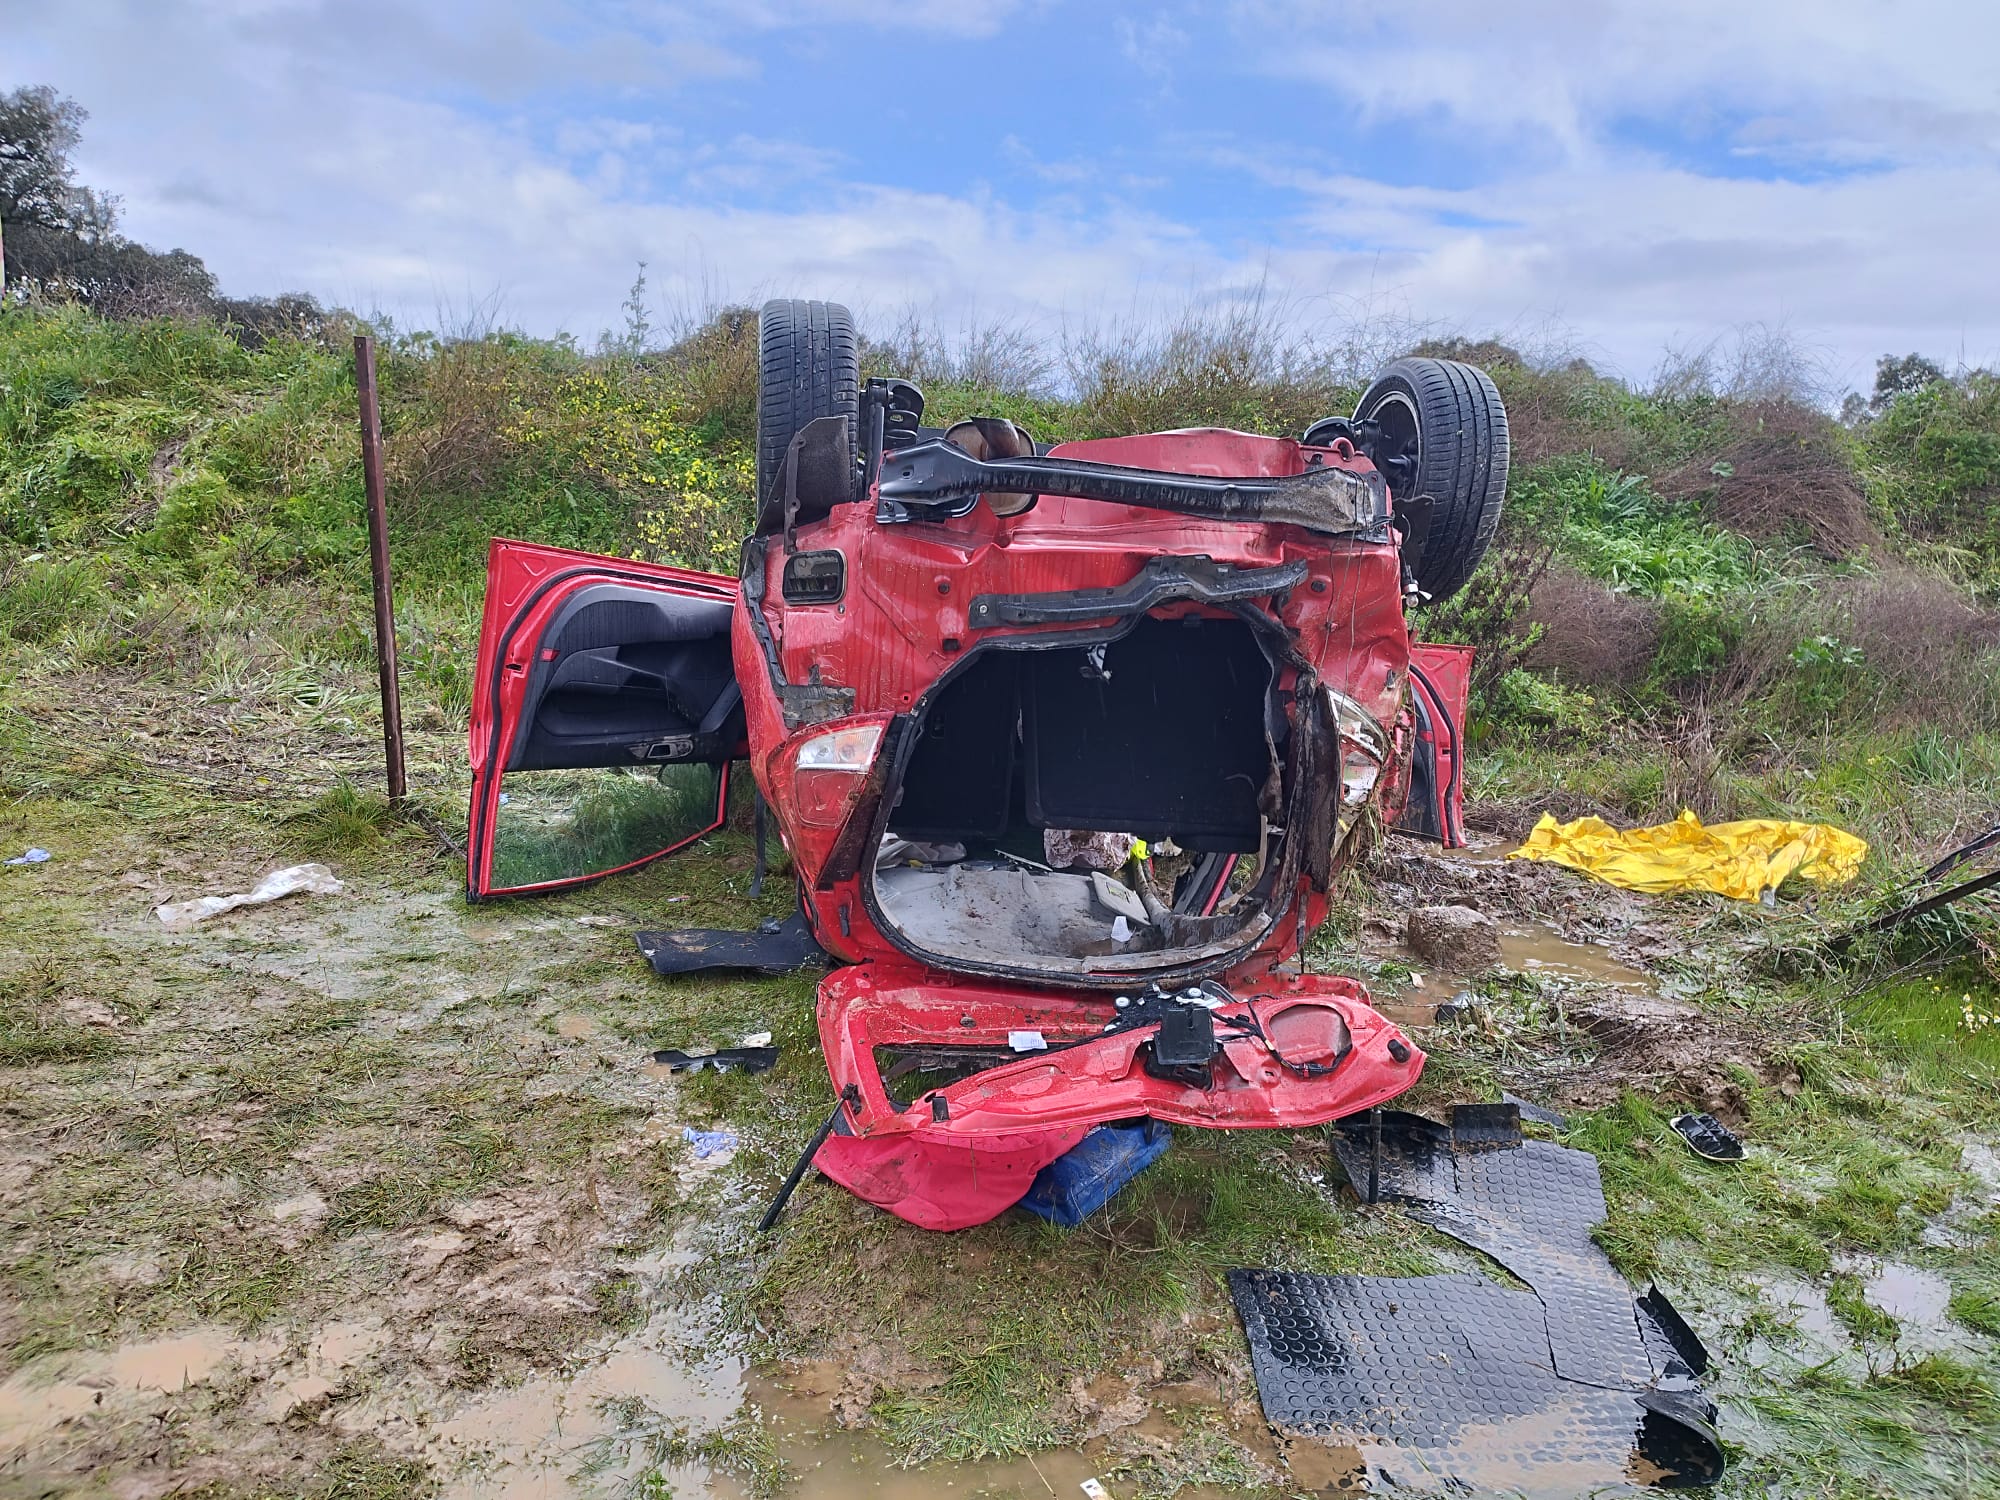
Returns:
point(564, 825)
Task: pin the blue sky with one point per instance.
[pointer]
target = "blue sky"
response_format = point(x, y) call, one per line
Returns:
point(1610, 179)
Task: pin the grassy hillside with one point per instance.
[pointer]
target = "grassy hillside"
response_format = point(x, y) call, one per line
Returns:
point(1725, 603)
point(1722, 601)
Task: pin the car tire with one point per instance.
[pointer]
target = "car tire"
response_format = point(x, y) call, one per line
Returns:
point(809, 366)
point(1446, 423)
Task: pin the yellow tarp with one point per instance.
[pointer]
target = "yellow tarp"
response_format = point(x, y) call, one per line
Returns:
point(1736, 859)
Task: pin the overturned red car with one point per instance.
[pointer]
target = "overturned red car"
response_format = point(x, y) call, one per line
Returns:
point(1066, 744)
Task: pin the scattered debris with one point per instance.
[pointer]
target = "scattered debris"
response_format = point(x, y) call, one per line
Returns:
point(316, 880)
point(1094, 1490)
point(32, 857)
point(850, 1099)
point(1117, 897)
point(1708, 1137)
point(1355, 1358)
point(1086, 1177)
point(1742, 860)
point(1460, 1007)
point(1456, 938)
point(723, 1059)
point(708, 1143)
point(774, 948)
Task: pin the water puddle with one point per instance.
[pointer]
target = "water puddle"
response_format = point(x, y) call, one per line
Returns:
point(574, 1027)
point(534, 1441)
point(831, 1463)
point(1803, 1305)
point(1535, 949)
point(39, 1399)
point(1957, 1228)
point(1909, 1294)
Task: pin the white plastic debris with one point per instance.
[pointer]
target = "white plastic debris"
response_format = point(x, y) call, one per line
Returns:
point(32, 857)
point(756, 1039)
point(1027, 1041)
point(1121, 929)
point(1094, 1491)
point(318, 880)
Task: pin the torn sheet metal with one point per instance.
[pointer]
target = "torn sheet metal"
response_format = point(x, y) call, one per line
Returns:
point(774, 948)
point(1455, 1383)
point(1741, 860)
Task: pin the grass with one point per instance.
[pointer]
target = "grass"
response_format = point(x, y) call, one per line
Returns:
point(33, 1028)
point(741, 1448)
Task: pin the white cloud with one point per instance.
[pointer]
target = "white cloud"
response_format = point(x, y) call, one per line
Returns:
point(242, 132)
point(1825, 78)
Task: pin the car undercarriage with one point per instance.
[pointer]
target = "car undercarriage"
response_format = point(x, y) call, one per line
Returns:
point(1066, 745)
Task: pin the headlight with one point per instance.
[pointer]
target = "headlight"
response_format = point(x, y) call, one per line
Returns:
point(828, 772)
point(1364, 750)
point(850, 749)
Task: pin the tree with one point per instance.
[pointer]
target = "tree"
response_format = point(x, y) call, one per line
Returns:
point(1902, 377)
point(38, 130)
point(62, 239)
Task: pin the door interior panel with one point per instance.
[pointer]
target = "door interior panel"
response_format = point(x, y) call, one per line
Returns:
point(628, 674)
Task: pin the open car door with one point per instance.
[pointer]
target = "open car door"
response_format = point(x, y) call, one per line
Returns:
point(1441, 680)
point(605, 713)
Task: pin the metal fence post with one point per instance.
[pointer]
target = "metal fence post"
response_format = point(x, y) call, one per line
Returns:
point(378, 561)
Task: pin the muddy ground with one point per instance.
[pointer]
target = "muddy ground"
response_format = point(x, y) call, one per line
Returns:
point(373, 1194)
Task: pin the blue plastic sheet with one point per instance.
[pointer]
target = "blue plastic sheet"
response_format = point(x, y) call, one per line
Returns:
point(1077, 1184)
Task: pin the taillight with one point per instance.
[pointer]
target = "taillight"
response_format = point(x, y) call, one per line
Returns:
point(828, 771)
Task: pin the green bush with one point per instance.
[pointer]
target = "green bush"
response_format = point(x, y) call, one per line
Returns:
point(1936, 465)
point(1614, 528)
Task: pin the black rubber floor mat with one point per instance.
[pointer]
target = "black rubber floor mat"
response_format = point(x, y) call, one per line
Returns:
point(1540, 1113)
point(1443, 1382)
point(1457, 1383)
point(775, 948)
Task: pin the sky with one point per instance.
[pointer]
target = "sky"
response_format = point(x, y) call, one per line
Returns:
point(1597, 177)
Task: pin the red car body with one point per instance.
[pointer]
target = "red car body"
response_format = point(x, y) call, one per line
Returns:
point(1218, 635)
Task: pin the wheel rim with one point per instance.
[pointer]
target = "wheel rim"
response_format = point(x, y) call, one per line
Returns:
point(1400, 443)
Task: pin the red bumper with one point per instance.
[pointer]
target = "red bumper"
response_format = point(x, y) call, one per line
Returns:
point(962, 1154)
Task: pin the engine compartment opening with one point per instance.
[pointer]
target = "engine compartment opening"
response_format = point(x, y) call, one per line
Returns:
point(1108, 807)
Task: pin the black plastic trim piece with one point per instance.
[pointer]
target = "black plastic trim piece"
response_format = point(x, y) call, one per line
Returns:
point(1162, 580)
point(919, 482)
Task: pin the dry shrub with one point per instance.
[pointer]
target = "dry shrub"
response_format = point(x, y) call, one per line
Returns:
point(1589, 634)
point(712, 367)
point(1259, 363)
point(1927, 654)
point(1492, 613)
point(1010, 358)
point(455, 401)
point(1784, 472)
point(1753, 362)
point(1695, 753)
point(1921, 635)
